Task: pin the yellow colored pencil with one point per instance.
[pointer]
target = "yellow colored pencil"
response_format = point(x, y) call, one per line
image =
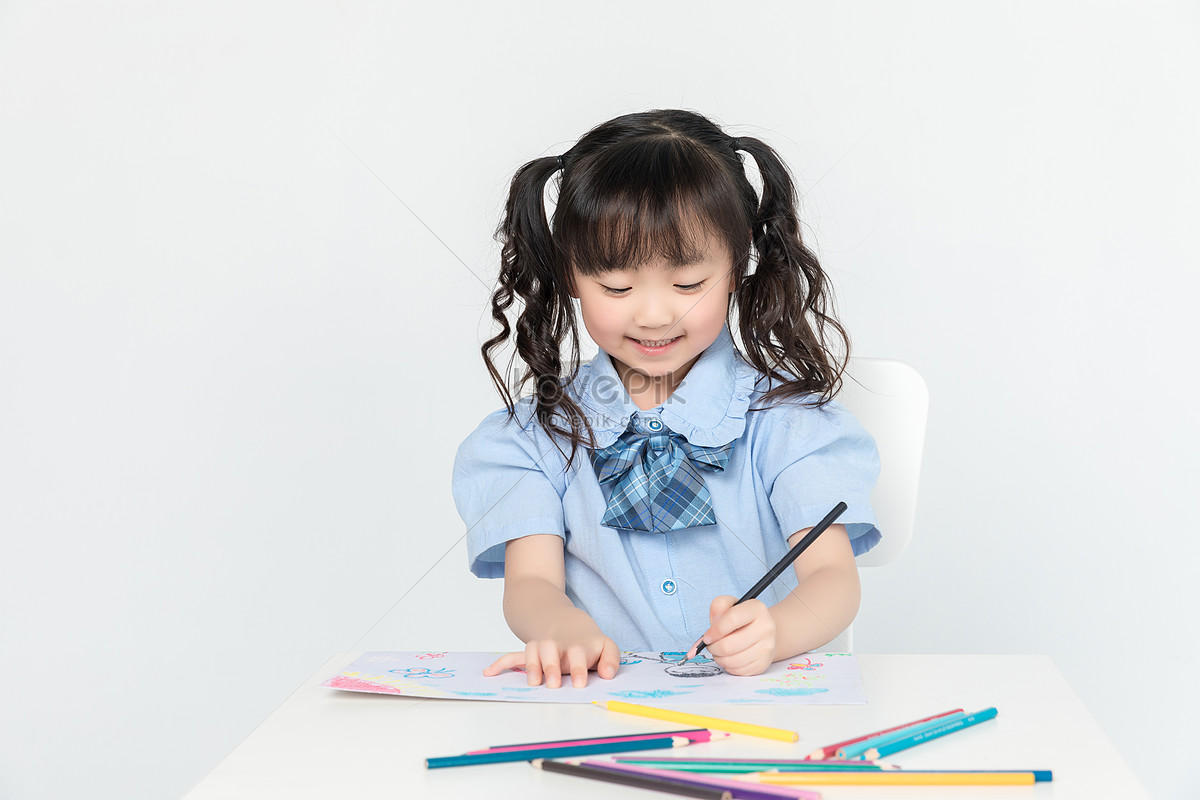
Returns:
point(698, 721)
point(893, 778)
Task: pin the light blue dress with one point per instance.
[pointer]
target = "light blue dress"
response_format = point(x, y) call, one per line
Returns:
point(790, 465)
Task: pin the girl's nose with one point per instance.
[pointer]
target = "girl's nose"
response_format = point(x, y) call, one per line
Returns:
point(654, 312)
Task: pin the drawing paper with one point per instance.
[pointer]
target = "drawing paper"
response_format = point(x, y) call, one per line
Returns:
point(644, 677)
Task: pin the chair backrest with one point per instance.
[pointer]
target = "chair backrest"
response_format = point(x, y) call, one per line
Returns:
point(891, 401)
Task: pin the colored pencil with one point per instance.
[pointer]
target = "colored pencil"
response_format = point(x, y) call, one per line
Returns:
point(930, 734)
point(1039, 775)
point(858, 762)
point(695, 719)
point(897, 778)
point(629, 779)
point(555, 752)
point(830, 750)
point(777, 570)
point(694, 735)
point(748, 764)
point(743, 790)
point(858, 749)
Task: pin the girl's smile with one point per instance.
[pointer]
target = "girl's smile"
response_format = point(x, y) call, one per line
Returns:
point(656, 347)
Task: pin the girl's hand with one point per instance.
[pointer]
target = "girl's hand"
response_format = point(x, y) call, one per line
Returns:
point(553, 658)
point(741, 638)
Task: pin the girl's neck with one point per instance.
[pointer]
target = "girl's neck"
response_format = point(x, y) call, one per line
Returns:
point(649, 392)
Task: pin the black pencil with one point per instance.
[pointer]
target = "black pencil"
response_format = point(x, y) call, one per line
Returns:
point(777, 570)
point(639, 781)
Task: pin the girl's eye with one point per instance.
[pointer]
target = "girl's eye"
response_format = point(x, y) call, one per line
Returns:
point(690, 287)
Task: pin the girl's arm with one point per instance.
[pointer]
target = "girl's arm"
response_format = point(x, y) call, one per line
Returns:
point(559, 638)
point(745, 639)
point(825, 602)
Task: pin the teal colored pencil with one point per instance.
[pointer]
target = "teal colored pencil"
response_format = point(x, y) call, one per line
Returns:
point(933, 733)
point(555, 752)
point(857, 749)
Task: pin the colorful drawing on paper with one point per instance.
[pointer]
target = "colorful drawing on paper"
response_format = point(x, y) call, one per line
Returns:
point(699, 667)
point(812, 679)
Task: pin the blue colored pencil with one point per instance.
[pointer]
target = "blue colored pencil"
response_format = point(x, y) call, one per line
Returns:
point(932, 733)
point(467, 759)
point(857, 749)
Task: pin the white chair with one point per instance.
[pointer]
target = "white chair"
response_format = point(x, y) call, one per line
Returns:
point(891, 401)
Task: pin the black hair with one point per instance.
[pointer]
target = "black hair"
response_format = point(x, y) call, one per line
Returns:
point(648, 185)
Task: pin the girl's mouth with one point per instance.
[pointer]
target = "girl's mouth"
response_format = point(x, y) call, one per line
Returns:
point(654, 346)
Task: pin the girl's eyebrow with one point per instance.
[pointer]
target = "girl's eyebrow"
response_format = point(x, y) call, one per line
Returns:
point(702, 262)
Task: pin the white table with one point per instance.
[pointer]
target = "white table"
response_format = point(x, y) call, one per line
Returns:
point(324, 743)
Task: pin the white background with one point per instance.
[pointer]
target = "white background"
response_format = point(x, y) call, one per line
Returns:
point(245, 254)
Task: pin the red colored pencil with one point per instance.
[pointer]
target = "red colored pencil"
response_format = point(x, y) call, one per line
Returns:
point(831, 750)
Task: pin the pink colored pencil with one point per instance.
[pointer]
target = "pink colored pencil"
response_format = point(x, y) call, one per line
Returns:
point(699, 735)
point(831, 750)
point(745, 789)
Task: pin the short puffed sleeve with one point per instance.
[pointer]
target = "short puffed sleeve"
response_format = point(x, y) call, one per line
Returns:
point(815, 457)
point(503, 489)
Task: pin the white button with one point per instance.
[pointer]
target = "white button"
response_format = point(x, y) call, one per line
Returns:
point(668, 586)
point(654, 425)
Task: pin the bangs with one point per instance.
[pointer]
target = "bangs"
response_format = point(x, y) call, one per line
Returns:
point(652, 199)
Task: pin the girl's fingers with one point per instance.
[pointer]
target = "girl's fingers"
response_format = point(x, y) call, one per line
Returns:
point(504, 662)
point(577, 664)
point(545, 662)
point(719, 606)
point(740, 640)
point(609, 661)
point(751, 645)
point(747, 662)
point(735, 619)
point(551, 664)
point(533, 664)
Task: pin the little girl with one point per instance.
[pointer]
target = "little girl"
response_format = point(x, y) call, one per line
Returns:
point(705, 456)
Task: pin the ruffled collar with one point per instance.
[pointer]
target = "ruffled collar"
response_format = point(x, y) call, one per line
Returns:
point(708, 408)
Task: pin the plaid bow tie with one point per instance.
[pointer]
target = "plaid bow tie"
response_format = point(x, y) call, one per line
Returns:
point(656, 482)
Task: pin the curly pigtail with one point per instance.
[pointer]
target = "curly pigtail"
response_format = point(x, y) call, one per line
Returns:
point(547, 316)
point(784, 306)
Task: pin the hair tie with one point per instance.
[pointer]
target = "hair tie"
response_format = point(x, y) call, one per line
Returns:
point(736, 142)
point(560, 162)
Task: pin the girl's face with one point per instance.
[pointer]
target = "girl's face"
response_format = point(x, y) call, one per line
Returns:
point(656, 321)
